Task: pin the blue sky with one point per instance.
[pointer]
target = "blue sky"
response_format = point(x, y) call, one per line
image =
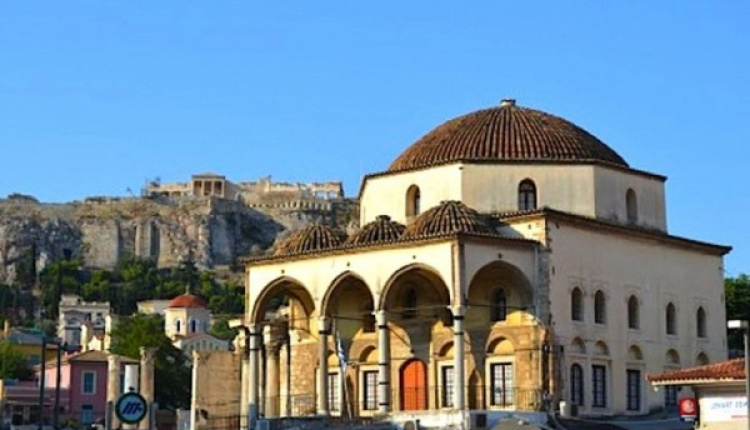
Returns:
point(98, 97)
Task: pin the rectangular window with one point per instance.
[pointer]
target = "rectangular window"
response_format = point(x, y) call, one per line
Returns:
point(370, 390)
point(334, 393)
point(87, 414)
point(670, 395)
point(447, 388)
point(88, 383)
point(599, 383)
point(576, 384)
point(501, 384)
point(634, 390)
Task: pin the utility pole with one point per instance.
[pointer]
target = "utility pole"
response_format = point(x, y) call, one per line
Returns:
point(42, 369)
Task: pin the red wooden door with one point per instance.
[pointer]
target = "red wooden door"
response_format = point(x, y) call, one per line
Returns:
point(413, 386)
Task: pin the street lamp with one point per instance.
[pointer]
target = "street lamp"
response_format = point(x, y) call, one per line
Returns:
point(745, 327)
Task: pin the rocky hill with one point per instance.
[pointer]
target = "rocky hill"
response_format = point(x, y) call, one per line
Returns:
point(101, 231)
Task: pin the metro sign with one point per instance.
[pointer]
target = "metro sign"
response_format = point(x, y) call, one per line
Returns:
point(131, 408)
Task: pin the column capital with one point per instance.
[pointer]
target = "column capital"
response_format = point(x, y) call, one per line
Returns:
point(253, 329)
point(324, 324)
point(458, 310)
point(381, 317)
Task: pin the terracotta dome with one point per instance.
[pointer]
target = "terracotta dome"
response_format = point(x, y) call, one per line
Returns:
point(448, 217)
point(312, 238)
point(506, 133)
point(383, 229)
point(186, 300)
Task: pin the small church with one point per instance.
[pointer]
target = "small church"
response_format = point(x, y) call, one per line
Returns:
point(187, 322)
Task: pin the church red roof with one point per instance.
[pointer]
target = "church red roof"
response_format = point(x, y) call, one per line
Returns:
point(186, 300)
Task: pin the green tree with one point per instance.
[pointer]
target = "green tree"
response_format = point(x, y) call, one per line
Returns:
point(13, 364)
point(221, 329)
point(58, 278)
point(737, 303)
point(172, 372)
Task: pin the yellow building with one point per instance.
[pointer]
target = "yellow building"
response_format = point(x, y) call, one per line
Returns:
point(29, 342)
point(505, 261)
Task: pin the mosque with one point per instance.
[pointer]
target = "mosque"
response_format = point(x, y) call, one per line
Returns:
point(507, 260)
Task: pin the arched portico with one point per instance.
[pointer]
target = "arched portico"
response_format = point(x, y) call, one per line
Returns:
point(414, 314)
point(500, 320)
point(283, 291)
point(348, 309)
point(281, 315)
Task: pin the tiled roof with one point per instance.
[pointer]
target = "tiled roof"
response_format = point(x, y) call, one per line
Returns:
point(383, 229)
point(724, 370)
point(92, 356)
point(506, 133)
point(186, 300)
point(315, 237)
point(449, 217)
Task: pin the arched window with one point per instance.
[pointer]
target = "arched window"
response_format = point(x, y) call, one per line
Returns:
point(576, 305)
point(413, 201)
point(600, 307)
point(499, 306)
point(410, 303)
point(633, 317)
point(632, 206)
point(178, 325)
point(526, 195)
point(701, 322)
point(671, 319)
point(193, 326)
point(576, 384)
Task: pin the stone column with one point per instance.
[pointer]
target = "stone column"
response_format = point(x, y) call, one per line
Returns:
point(113, 384)
point(323, 331)
point(147, 373)
point(273, 372)
point(459, 359)
point(384, 362)
point(253, 379)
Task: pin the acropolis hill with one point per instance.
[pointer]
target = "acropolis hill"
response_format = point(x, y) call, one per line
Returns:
point(208, 218)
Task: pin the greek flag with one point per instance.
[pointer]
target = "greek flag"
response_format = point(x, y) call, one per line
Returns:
point(340, 352)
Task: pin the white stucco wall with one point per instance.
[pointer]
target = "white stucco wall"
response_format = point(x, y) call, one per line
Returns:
point(654, 272)
point(590, 190)
point(386, 195)
point(611, 188)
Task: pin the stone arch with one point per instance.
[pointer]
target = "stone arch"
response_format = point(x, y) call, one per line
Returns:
point(368, 354)
point(601, 349)
point(446, 351)
point(672, 358)
point(421, 276)
point(635, 353)
point(349, 303)
point(517, 292)
point(282, 287)
point(500, 346)
point(578, 346)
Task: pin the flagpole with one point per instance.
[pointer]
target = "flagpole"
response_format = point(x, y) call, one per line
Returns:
point(342, 365)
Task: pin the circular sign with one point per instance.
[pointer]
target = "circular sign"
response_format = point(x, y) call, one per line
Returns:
point(688, 407)
point(131, 408)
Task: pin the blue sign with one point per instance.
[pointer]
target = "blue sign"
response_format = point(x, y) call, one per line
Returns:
point(131, 408)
